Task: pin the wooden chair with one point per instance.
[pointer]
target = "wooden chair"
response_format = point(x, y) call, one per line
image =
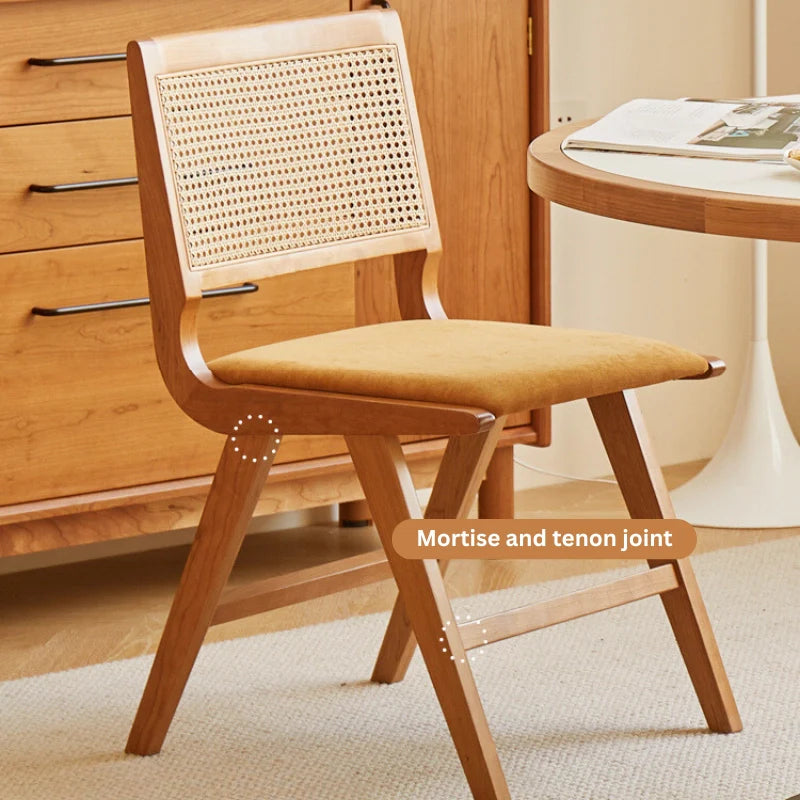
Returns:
point(273, 149)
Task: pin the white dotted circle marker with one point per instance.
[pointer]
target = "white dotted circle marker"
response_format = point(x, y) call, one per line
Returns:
point(245, 456)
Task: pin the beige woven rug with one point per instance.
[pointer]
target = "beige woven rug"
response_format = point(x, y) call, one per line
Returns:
point(596, 709)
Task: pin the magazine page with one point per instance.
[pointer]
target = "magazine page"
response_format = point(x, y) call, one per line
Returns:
point(739, 129)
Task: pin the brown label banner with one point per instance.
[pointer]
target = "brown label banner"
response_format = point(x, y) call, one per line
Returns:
point(544, 538)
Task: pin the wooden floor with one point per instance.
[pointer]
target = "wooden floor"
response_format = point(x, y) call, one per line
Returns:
point(86, 613)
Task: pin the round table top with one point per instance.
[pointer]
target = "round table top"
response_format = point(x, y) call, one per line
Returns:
point(733, 198)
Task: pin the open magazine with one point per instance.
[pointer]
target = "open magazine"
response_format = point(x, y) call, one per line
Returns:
point(744, 130)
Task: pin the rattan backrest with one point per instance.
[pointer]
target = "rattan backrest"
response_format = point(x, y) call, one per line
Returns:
point(284, 147)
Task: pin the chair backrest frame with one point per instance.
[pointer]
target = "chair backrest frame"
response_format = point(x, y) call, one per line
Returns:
point(176, 289)
point(156, 59)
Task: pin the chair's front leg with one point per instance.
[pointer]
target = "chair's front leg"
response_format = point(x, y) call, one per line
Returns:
point(465, 460)
point(241, 473)
point(387, 485)
point(622, 429)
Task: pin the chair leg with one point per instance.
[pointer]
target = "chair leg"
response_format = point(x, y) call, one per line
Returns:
point(621, 427)
point(496, 493)
point(465, 460)
point(388, 487)
point(231, 501)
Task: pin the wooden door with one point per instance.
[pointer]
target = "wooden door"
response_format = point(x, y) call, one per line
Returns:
point(472, 71)
point(469, 62)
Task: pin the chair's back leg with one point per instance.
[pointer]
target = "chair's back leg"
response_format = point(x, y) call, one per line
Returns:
point(390, 492)
point(240, 475)
point(624, 436)
point(496, 492)
point(464, 462)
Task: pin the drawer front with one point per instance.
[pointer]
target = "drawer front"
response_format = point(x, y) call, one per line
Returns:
point(83, 405)
point(49, 29)
point(66, 153)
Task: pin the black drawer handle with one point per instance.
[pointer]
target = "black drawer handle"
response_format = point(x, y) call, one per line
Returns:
point(63, 311)
point(66, 61)
point(53, 188)
point(381, 3)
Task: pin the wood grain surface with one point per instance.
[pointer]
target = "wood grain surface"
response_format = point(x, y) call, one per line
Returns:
point(57, 28)
point(83, 395)
point(66, 152)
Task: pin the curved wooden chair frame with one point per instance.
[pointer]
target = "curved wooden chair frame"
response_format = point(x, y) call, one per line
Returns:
point(254, 417)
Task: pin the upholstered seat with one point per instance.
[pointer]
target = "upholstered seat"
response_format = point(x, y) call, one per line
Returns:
point(502, 367)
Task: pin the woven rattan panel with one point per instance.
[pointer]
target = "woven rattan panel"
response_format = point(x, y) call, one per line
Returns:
point(281, 155)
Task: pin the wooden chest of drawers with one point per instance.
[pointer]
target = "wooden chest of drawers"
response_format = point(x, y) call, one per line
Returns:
point(91, 445)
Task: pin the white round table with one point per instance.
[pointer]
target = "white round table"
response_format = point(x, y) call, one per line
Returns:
point(753, 481)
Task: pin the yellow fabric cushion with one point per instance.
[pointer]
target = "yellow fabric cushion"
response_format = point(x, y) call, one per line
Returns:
point(502, 367)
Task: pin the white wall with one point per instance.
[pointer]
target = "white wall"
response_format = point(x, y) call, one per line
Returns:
point(784, 259)
point(690, 289)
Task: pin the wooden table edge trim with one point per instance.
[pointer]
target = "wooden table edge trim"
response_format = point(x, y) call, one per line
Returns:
point(560, 179)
